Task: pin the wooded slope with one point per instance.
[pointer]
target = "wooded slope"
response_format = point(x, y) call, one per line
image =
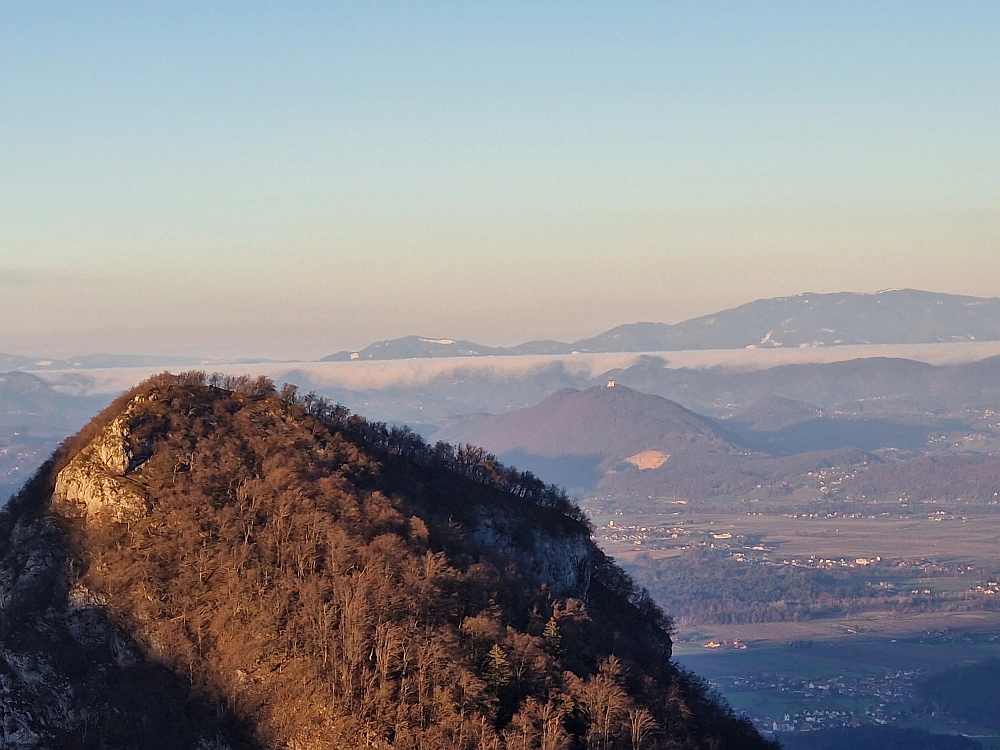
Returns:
point(304, 578)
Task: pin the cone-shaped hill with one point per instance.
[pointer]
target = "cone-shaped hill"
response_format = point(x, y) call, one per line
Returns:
point(612, 422)
point(621, 443)
point(214, 564)
point(576, 437)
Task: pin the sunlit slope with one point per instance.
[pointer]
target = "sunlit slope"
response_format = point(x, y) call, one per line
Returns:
point(299, 577)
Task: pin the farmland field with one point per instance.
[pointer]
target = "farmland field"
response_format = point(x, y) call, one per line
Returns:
point(975, 540)
point(913, 592)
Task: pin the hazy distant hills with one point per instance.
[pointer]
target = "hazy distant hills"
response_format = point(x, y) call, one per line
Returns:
point(872, 387)
point(622, 443)
point(576, 436)
point(892, 386)
point(10, 362)
point(29, 405)
point(898, 316)
point(619, 441)
point(609, 421)
point(775, 413)
point(413, 347)
point(34, 418)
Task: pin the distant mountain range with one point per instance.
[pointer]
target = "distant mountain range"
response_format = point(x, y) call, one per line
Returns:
point(895, 316)
point(10, 362)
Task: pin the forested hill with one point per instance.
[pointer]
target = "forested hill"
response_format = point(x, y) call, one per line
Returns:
point(211, 563)
point(610, 422)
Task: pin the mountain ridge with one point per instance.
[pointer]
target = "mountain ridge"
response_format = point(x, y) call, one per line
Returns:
point(892, 316)
point(896, 316)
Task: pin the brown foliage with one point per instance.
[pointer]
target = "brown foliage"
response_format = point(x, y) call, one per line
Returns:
point(314, 574)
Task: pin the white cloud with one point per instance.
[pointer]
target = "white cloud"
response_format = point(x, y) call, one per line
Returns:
point(380, 375)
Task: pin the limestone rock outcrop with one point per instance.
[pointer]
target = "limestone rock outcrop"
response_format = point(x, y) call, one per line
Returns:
point(99, 483)
point(561, 559)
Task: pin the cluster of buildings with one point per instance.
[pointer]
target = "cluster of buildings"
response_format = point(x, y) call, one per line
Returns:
point(807, 721)
point(885, 699)
point(638, 535)
point(830, 479)
point(990, 588)
point(824, 563)
point(736, 643)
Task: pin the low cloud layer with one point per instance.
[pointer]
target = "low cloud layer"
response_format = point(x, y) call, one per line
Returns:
point(380, 375)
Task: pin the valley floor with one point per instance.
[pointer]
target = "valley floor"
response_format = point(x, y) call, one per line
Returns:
point(931, 531)
point(927, 578)
point(842, 681)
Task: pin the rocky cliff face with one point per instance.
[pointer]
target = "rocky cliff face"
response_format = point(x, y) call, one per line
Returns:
point(97, 483)
point(560, 559)
point(67, 670)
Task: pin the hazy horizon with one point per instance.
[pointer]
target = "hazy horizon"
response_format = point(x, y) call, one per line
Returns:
point(238, 356)
point(248, 181)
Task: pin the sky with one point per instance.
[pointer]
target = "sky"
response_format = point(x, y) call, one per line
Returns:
point(292, 179)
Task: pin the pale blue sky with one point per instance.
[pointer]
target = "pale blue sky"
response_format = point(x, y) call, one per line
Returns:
point(291, 179)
